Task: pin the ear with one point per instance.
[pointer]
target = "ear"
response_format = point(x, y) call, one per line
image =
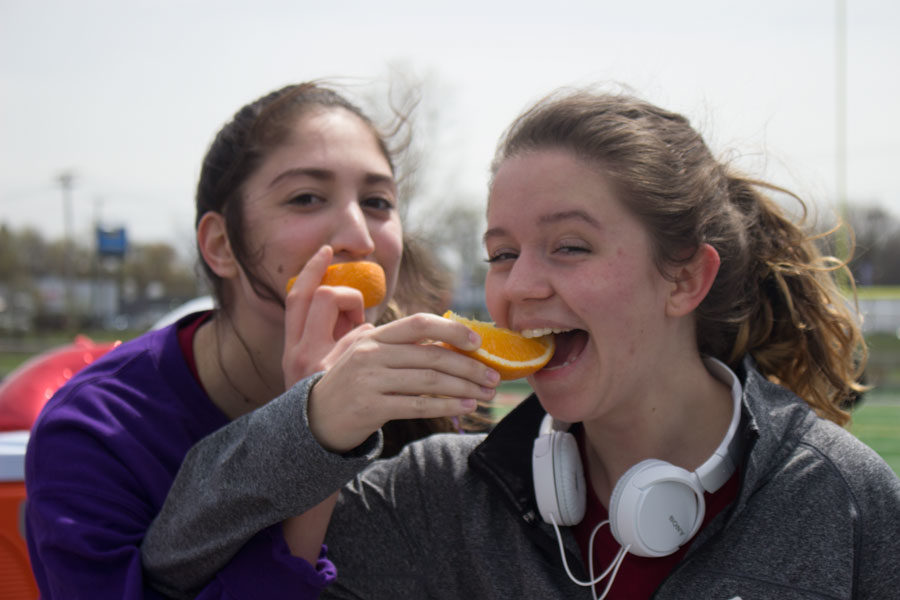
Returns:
point(212, 240)
point(692, 281)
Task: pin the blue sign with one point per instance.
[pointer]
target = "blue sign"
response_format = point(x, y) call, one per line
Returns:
point(111, 242)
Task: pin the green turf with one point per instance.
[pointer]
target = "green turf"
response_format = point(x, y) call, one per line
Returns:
point(877, 423)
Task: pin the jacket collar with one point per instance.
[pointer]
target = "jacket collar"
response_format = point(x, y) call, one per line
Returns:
point(774, 421)
point(504, 458)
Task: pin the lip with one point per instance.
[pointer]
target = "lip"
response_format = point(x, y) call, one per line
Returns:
point(567, 368)
point(556, 373)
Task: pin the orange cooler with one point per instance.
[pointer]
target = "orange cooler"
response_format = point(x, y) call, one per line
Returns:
point(16, 580)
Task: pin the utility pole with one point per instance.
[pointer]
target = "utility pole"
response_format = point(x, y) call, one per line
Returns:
point(843, 236)
point(841, 106)
point(66, 180)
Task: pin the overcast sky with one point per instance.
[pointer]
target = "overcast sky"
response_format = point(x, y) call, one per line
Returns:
point(128, 94)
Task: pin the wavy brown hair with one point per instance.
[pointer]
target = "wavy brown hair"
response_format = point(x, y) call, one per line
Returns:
point(775, 296)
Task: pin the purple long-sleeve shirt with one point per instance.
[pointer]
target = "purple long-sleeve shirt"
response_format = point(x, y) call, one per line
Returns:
point(100, 461)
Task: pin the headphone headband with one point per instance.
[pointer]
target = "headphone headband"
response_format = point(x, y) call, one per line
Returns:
point(716, 470)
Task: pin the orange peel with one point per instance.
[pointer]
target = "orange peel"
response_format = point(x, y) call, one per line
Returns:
point(509, 353)
point(363, 275)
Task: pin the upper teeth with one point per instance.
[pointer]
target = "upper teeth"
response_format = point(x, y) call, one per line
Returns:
point(533, 333)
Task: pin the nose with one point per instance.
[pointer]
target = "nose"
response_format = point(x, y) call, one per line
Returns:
point(527, 280)
point(351, 237)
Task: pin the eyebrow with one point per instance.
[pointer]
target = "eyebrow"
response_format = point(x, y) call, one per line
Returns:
point(569, 215)
point(327, 175)
point(552, 218)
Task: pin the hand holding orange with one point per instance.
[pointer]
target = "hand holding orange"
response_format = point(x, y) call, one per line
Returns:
point(511, 354)
point(365, 276)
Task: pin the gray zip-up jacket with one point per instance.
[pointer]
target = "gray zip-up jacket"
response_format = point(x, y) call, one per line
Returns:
point(453, 516)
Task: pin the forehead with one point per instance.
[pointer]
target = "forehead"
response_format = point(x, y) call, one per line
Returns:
point(550, 179)
point(332, 140)
point(324, 125)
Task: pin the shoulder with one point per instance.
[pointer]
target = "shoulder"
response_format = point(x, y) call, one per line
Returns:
point(103, 389)
point(822, 468)
point(86, 388)
point(136, 404)
point(853, 465)
point(442, 456)
point(798, 454)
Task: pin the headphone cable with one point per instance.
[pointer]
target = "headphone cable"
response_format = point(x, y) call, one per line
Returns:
point(613, 566)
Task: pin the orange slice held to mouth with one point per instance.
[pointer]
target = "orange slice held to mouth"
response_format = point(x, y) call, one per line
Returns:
point(363, 275)
point(511, 354)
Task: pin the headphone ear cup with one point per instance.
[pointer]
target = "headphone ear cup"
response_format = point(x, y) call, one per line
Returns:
point(571, 497)
point(558, 478)
point(655, 508)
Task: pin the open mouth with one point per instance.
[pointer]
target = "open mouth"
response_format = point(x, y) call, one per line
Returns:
point(569, 345)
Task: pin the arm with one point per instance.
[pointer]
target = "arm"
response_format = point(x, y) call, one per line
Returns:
point(73, 559)
point(235, 481)
point(97, 471)
point(244, 478)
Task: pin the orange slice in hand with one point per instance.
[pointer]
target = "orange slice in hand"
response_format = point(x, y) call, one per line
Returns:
point(365, 276)
point(507, 352)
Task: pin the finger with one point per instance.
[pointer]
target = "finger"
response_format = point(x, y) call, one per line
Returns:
point(443, 360)
point(332, 316)
point(322, 258)
point(428, 327)
point(427, 382)
point(301, 294)
point(335, 310)
point(426, 407)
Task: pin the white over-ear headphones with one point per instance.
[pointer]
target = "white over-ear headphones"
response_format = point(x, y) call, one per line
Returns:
point(655, 506)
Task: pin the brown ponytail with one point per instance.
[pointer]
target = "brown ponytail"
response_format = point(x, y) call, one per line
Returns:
point(801, 329)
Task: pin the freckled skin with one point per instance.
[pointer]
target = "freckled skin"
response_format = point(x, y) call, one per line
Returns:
point(594, 273)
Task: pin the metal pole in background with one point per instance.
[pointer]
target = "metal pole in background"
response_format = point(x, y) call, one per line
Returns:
point(841, 107)
point(66, 179)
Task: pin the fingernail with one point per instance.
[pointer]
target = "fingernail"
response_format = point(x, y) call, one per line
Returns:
point(492, 376)
point(489, 392)
point(475, 339)
point(468, 404)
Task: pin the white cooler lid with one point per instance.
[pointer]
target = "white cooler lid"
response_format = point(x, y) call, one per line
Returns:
point(12, 455)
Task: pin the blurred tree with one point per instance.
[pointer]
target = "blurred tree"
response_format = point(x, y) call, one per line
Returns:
point(155, 270)
point(876, 260)
point(158, 264)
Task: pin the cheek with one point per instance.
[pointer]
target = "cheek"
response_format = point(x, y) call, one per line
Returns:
point(634, 294)
point(493, 298)
point(388, 238)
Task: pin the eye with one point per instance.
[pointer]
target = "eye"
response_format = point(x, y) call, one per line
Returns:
point(501, 255)
point(378, 203)
point(306, 200)
point(569, 247)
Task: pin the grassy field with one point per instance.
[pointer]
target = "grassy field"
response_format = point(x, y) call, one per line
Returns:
point(877, 423)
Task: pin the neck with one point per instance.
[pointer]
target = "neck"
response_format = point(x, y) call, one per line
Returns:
point(234, 379)
point(682, 423)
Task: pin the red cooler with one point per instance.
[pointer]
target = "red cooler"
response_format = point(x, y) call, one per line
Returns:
point(23, 394)
point(16, 580)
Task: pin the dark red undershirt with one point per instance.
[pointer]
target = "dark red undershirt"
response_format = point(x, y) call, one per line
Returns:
point(639, 576)
point(186, 332)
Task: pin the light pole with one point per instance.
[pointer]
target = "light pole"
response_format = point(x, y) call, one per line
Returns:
point(841, 106)
point(66, 179)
